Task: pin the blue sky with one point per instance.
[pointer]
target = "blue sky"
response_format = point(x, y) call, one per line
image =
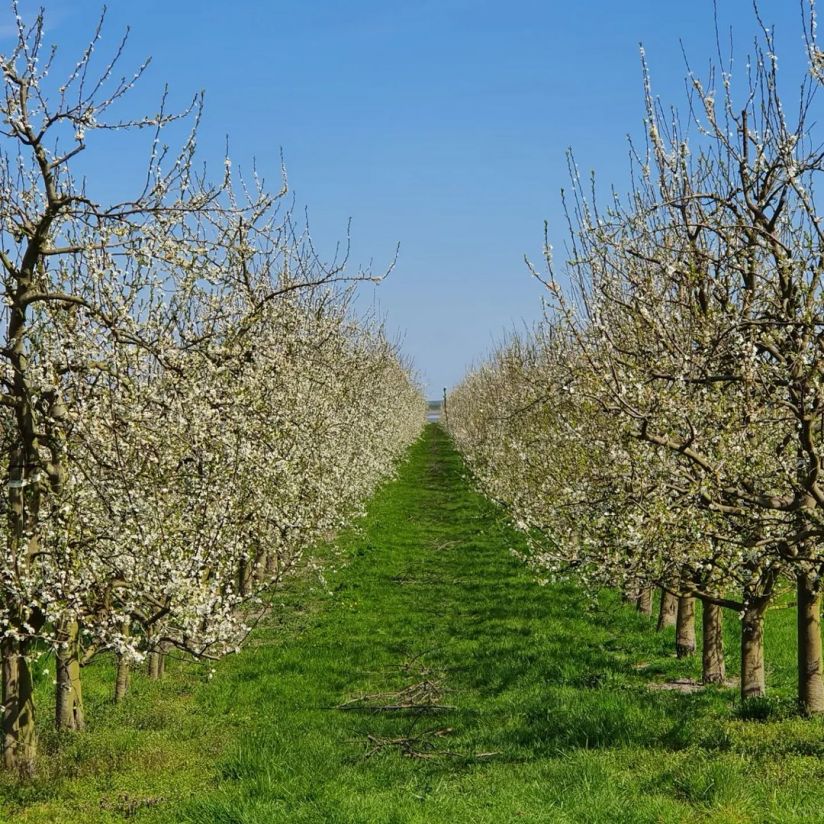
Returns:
point(440, 125)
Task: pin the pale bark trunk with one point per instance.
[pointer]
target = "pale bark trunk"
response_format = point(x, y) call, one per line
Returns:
point(122, 678)
point(19, 738)
point(810, 676)
point(69, 694)
point(644, 602)
point(157, 664)
point(753, 683)
point(713, 670)
point(685, 627)
point(668, 610)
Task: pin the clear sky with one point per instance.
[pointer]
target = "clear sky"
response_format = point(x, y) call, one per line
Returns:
point(440, 125)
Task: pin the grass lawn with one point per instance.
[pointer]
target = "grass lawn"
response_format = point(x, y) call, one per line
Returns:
point(530, 703)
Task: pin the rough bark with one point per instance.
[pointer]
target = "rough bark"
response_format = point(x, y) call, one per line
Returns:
point(69, 694)
point(810, 675)
point(19, 739)
point(753, 684)
point(644, 601)
point(713, 670)
point(668, 610)
point(685, 627)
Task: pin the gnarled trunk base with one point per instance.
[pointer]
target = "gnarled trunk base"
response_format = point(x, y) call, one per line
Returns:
point(19, 735)
point(753, 683)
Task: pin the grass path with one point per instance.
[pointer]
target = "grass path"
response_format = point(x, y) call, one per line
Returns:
point(546, 712)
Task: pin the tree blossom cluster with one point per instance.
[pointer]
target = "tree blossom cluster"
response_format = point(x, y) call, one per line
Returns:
point(189, 402)
point(665, 426)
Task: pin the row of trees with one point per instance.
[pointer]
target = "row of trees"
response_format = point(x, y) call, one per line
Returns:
point(188, 401)
point(665, 426)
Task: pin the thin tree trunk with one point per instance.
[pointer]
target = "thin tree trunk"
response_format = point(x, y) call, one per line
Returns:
point(685, 627)
point(122, 678)
point(155, 665)
point(810, 676)
point(713, 670)
point(753, 684)
point(69, 694)
point(644, 602)
point(19, 738)
point(123, 668)
point(668, 610)
point(244, 577)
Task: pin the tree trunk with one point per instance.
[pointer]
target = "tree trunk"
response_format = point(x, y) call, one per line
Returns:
point(69, 695)
point(156, 665)
point(644, 602)
point(753, 684)
point(810, 676)
point(19, 732)
point(668, 610)
point(685, 627)
point(123, 668)
point(713, 670)
point(259, 568)
point(121, 681)
point(244, 577)
point(19, 736)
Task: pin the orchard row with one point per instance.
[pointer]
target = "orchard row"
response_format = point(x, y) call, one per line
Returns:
point(189, 403)
point(664, 427)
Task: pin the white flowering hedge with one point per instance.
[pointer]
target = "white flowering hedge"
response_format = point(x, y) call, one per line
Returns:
point(189, 402)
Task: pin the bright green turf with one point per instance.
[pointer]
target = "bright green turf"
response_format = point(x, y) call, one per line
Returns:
point(553, 720)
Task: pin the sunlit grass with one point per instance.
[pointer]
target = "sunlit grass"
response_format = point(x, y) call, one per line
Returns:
point(552, 717)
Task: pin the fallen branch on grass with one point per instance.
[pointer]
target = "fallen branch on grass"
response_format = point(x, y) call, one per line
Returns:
point(413, 746)
point(421, 697)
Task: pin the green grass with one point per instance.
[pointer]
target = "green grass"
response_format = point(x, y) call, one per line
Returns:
point(551, 718)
